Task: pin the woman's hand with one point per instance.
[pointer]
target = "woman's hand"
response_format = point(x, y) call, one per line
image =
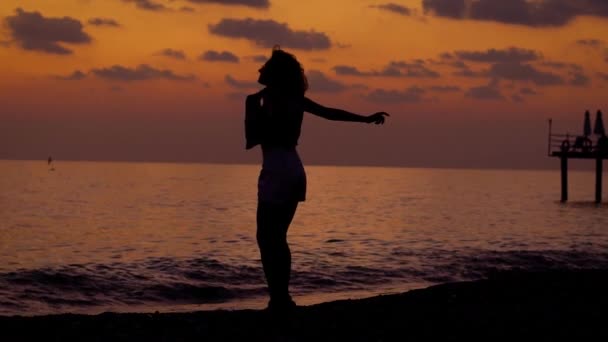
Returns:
point(377, 118)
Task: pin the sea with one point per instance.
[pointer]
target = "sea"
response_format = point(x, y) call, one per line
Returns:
point(93, 237)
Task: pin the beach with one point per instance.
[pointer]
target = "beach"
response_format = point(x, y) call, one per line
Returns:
point(507, 305)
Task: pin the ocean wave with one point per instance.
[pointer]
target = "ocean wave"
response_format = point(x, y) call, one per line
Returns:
point(172, 281)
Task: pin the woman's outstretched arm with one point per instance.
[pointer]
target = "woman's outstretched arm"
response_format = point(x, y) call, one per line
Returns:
point(341, 115)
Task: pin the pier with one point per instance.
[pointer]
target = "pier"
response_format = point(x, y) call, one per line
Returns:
point(567, 146)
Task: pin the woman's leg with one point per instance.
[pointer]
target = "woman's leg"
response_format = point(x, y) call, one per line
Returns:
point(273, 221)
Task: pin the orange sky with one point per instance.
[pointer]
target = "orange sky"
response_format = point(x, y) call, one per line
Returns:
point(524, 69)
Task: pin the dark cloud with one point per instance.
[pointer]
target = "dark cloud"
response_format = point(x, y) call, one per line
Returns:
point(141, 73)
point(268, 33)
point(467, 72)
point(487, 92)
point(240, 84)
point(562, 65)
point(603, 76)
point(523, 72)
point(217, 56)
point(319, 82)
point(463, 69)
point(527, 91)
point(535, 13)
point(444, 8)
point(32, 31)
point(594, 43)
point(75, 76)
point(176, 54)
point(445, 89)
point(411, 95)
point(395, 8)
point(416, 69)
point(248, 3)
point(148, 5)
point(349, 70)
point(187, 9)
point(446, 55)
point(579, 79)
point(103, 22)
point(512, 54)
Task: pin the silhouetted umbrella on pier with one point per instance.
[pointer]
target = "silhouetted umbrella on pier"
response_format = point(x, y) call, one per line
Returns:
point(599, 125)
point(587, 127)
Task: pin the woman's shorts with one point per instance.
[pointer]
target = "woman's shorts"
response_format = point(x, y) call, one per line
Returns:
point(282, 179)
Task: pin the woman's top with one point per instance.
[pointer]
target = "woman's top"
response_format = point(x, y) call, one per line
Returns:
point(273, 120)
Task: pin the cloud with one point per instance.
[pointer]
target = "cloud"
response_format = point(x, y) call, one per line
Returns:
point(486, 92)
point(349, 71)
point(395, 8)
point(141, 73)
point(444, 8)
point(523, 72)
point(319, 82)
point(75, 76)
point(240, 84)
point(579, 79)
point(318, 60)
point(268, 33)
point(411, 95)
point(32, 31)
point(148, 5)
point(249, 3)
point(415, 69)
point(463, 69)
point(527, 91)
point(535, 13)
point(217, 56)
point(445, 89)
point(512, 54)
point(103, 22)
point(593, 43)
point(187, 9)
point(176, 54)
point(562, 65)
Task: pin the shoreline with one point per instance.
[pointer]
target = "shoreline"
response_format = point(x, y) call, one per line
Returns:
point(507, 304)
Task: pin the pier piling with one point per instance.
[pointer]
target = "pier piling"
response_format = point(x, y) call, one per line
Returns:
point(598, 179)
point(564, 163)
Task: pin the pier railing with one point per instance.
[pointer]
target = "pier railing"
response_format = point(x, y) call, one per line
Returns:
point(568, 146)
point(576, 146)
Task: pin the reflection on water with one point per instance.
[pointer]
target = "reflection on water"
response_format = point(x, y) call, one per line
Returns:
point(119, 236)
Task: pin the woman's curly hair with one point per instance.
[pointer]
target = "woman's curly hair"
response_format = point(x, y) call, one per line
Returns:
point(285, 72)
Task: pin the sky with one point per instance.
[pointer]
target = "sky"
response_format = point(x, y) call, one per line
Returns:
point(468, 83)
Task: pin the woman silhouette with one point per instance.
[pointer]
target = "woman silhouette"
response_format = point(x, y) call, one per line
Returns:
point(273, 120)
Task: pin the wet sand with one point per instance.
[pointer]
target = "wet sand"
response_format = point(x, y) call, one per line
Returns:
point(507, 305)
